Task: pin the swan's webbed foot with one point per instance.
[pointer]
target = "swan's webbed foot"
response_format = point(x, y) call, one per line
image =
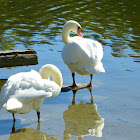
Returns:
point(74, 85)
point(89, 85)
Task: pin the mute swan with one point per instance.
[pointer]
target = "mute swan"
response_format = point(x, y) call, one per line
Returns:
point(80, 54)
point(27, 90)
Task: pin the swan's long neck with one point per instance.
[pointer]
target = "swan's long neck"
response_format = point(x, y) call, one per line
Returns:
point(65, 35)
point(50, 70)
point(70, 26)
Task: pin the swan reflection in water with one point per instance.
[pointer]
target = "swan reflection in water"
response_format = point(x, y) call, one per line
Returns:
point(29, 134)
point(82, 120)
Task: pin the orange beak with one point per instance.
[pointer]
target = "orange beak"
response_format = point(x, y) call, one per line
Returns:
point(79, 32)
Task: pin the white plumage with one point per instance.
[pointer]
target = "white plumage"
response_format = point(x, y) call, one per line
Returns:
point(81, 55)
point(27, 90)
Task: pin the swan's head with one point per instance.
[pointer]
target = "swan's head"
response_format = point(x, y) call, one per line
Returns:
point(73, 26)
point(70, 26)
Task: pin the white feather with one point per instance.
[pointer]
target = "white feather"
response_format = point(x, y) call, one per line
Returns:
point(81, 55)
point(27, 90)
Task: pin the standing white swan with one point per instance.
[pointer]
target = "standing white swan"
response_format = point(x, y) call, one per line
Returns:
point(27, 90)
point(80, 54)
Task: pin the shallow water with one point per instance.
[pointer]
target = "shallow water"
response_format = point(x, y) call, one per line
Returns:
point(115, 24)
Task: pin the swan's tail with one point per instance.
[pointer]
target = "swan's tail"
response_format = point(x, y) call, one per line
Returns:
point(99, 67)
point(95, 68)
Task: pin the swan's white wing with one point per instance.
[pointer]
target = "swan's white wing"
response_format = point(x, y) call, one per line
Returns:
point(31, 94)
point(37, 89)
point(14, 83)
point(82, 50)
point(27, 86)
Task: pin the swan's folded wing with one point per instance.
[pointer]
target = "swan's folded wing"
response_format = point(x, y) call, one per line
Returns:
point(31, 94)
point(29, 86)
point(18, 81)
point(32, 89)
point(82, 50)
point(72, 53)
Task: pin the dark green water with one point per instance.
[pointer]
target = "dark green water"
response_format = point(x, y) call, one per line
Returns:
point(38, 24)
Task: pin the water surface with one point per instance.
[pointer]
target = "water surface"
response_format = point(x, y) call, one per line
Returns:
point(114, 109)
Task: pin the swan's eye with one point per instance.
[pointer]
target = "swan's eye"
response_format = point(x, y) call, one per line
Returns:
point(79, 27)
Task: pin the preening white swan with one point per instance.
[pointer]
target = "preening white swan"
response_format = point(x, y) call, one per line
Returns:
point(80, 54)
point(27, 90)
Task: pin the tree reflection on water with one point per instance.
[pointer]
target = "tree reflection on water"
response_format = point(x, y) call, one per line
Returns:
point(113, 23)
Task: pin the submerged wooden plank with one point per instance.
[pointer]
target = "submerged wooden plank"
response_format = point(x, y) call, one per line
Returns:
point(79, 86)
point(18, 58)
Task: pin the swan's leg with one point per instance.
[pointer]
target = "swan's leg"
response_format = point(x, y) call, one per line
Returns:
point(90, 83)
point(38, 114)
point(74, 84)
point(14, 117)
point(13, 128)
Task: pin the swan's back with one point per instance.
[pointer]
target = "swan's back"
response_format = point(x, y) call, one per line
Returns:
point(17, 81)
point(83, 53)
point(27, 86)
